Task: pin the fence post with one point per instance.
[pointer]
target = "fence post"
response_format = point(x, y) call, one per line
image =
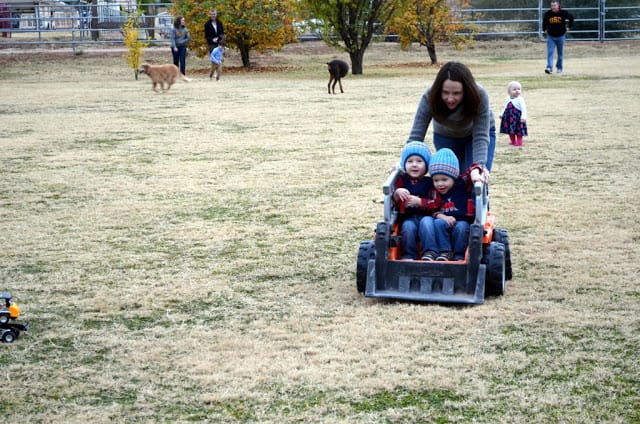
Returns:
point(540, 36)
point(602, 19)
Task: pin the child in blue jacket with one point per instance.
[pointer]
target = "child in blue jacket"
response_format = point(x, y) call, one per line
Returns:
point(457, 206)
point(410, 196)
point(217, 57)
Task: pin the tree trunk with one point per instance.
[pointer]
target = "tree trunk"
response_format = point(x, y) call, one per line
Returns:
point(95, 34)
point(431, 49)
point(150, 23)
point(357, 58)
point(244, 54)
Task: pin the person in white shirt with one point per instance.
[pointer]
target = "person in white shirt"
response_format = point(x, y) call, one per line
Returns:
point(213, 30)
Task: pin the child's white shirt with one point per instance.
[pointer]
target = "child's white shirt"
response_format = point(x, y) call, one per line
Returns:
point(518, 103)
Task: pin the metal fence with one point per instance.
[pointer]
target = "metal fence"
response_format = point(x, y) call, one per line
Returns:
point(598, 22)
point(52, 22)
point(57, 23)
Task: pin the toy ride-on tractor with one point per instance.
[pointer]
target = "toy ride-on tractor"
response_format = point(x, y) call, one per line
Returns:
point(9, 312)
point(487, 264)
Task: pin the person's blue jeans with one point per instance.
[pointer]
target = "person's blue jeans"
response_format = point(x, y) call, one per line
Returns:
point(452, 239)
point(463, 148)
point(180, 58)
point(554, 43)
point(416, 228)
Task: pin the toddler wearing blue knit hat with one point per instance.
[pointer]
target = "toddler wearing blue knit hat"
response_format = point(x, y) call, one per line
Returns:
point(415, 148)
point(457, 211)
point(446, 163)
point(411, 198)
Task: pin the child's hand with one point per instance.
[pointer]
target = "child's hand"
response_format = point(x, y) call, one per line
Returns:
point(402, 194)
point(451, 221)
point(413, 202)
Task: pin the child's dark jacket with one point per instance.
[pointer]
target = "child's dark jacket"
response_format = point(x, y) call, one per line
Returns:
point(418, 187)
point(458, 202)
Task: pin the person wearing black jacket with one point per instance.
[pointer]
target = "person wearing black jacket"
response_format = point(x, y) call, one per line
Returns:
point(213, 31)
point(555, 23)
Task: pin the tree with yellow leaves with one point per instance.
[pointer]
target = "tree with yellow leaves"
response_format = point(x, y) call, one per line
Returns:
point(133, 42)
point(429, 22)
point(248, 24)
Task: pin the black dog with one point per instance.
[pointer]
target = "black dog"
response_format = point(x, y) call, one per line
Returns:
point(337, 70)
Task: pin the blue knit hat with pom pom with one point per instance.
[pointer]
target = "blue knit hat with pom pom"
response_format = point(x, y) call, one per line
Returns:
point(444, 161)
point(414, 148)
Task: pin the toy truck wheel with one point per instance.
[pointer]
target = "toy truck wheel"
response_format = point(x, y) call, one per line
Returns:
point(501, 236)
point(4, 318)
point(495, 283)
point(366, 252)
point(9, 336)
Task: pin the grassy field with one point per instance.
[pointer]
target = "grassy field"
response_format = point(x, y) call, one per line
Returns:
point(190, 256)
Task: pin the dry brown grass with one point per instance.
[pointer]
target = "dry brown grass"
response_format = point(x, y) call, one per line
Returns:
point(190, 256)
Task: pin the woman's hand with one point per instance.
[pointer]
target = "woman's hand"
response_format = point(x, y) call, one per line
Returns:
point(480, 175)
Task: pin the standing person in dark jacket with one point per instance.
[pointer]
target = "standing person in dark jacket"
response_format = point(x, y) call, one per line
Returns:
point(213, 30)
point(555, 24)
point(179, 37)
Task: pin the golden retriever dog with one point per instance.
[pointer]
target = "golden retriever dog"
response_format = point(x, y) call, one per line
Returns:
point(163, 74)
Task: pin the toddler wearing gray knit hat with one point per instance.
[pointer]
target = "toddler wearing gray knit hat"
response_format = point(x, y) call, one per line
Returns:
point(444, 161)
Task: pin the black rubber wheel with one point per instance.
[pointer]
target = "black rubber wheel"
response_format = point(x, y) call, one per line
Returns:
point(366, 252)
point(4, 318)
point(9, 336)
point(495, 282)
point(501, 236)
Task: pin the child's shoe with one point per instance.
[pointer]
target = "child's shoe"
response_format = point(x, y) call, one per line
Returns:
point(443, 256)
point(429, 256)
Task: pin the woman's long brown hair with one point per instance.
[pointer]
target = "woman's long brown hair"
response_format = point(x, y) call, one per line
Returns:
point(471, 98)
